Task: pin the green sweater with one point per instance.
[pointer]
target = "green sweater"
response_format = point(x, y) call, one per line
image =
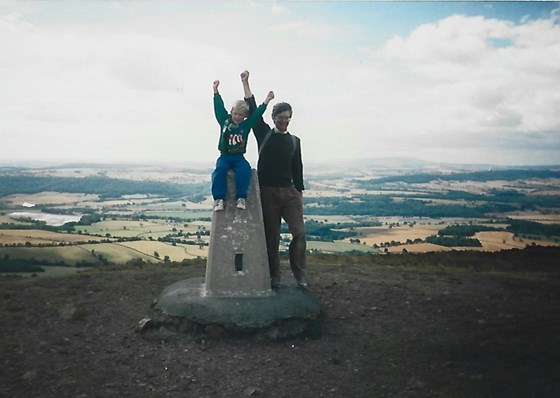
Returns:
point(233, 137)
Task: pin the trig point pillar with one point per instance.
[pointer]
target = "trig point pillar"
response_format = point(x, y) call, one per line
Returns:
point(237, 259)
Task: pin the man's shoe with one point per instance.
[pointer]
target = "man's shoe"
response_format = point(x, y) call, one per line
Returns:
point(241, 204)
point(218, 205)
point(302, 283)
point(275, 283)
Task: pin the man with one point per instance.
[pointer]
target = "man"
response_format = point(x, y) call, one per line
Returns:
point(280, 172)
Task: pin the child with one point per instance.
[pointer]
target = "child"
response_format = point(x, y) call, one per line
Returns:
point(235, 128)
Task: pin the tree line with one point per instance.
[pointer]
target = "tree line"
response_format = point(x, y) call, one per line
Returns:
point(105, 187)
point(480, 176)
point(385, 205)
point(533, 228)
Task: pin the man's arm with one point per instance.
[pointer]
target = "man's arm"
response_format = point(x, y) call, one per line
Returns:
point(245, 80)
point(297, 166)
point(269, 97)
point(248, 95)
point(260, 128)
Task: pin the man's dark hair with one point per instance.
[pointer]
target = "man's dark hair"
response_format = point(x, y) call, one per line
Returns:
point(281, 107)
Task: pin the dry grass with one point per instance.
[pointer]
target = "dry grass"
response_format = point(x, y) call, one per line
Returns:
point(498, 240)
point(175, 253)
point(42, 198)
point(378, 235)
point(537, 217)
point(36, 236)
point(117, 253)
point(490, 240)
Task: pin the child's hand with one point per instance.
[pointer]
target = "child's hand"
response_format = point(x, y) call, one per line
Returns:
point(245, 76)
point(215, 85)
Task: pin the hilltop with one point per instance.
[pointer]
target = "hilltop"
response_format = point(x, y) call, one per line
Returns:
point(454, 324)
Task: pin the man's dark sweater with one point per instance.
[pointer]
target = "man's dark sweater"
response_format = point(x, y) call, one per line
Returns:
point(279, 163)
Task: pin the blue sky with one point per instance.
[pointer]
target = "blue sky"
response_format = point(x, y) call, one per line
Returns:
point(131, 81)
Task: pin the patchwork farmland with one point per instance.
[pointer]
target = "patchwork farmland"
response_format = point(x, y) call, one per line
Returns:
point(165, 215)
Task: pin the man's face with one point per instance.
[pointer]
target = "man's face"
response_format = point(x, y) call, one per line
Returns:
point(281, 120)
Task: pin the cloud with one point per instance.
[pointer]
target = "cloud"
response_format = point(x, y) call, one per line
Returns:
point(278, 9)
point(100, 87)
point(133, 81)
point(450, 77)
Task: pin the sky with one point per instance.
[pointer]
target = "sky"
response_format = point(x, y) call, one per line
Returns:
point(131, 81)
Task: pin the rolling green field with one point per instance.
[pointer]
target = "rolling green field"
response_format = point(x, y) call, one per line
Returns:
point(70, 255)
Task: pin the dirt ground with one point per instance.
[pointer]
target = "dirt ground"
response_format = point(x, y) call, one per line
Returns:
point(414, 325)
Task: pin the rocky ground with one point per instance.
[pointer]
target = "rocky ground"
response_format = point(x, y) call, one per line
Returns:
point(453, 325)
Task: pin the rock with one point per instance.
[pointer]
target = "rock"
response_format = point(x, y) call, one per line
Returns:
point(30, 375)
point(215, 331)
point(144, 324)
point(414, 384)
point(252, 391)
point(67, 312)
point(335, 361)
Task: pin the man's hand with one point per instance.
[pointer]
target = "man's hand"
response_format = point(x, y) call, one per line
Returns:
point(269, 97)
point(245, 81)
point(215, 85)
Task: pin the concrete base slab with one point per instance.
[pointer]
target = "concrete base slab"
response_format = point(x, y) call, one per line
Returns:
point(288, 312)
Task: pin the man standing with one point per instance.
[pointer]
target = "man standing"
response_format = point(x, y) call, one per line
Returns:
point(280, 171)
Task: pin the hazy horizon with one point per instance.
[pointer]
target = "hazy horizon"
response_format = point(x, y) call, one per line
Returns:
point(131, 82)
point(389, 163)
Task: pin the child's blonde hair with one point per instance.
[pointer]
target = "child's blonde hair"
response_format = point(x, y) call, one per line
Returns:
point(241, 106)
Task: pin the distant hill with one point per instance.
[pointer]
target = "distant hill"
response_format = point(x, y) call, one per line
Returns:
point(104, 186)
point(402, 164)
point(487, 175)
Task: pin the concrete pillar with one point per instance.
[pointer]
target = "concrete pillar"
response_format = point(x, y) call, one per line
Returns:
point(237, 259)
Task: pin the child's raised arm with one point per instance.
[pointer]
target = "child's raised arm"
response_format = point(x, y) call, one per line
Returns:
point(219, 109)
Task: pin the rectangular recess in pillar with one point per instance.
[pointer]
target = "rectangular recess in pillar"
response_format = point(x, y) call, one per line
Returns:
point(238, 262)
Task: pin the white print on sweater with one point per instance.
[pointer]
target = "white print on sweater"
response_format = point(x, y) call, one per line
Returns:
point(235, 139)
